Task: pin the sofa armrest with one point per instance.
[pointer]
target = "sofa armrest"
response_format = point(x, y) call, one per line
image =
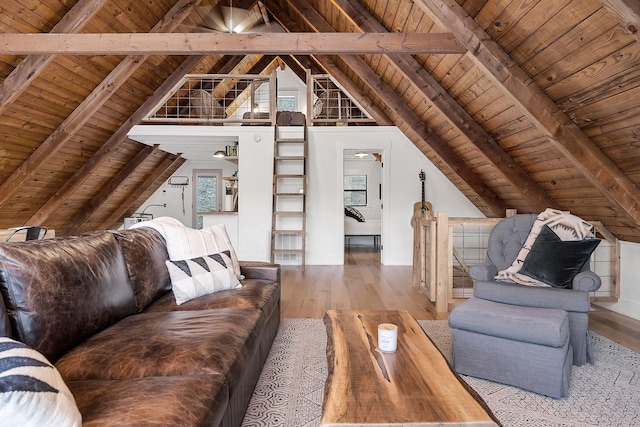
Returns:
point(533, 296)
point(586, 281)
point(483, 272)
point(260, 270)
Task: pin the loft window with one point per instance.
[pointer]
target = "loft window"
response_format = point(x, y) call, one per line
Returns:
point(355, 190)
point(286, 103)
point(207, 190)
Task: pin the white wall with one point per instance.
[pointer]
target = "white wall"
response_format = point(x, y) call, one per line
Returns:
point(401, 189)
point(255, 177)
point(629, 302)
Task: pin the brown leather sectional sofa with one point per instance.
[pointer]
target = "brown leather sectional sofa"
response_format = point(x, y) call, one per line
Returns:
point(100, 307)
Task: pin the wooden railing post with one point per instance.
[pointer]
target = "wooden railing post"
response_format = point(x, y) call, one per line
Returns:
point(443, 260)
point(419, 249)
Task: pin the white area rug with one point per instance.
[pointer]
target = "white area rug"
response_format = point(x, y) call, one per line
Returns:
point(291, 387)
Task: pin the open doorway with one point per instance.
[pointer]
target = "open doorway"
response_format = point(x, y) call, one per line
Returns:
point(362, 196)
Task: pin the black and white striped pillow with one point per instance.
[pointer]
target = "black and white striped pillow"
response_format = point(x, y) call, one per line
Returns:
point(32, 392)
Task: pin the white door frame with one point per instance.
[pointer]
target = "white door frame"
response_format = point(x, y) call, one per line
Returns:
point(385, 149)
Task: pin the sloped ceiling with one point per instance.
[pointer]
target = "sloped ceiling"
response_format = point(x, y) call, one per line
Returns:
point(542, 110)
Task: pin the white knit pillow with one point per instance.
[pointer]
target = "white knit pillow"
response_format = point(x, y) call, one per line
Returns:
point(32, 392)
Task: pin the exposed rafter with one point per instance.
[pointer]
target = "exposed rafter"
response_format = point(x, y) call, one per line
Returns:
point(530, 191)
point(109, 147)
point(169, 164)
point(537, 106)
point(225, 43)
point(423, 137)
point(90, 105)
point(106, 191)
point(582, 55)
point(32, 66)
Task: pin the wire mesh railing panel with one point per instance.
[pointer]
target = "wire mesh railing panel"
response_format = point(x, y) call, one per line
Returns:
point(214, 98)
point(469, 248)
point(331, 104)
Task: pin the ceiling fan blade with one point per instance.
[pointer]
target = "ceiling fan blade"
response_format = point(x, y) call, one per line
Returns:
point(216, 21)
point(236, 19)
point(224, 19)
point(183, 28)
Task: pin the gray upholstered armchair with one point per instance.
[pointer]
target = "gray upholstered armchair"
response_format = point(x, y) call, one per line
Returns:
point(505, 241)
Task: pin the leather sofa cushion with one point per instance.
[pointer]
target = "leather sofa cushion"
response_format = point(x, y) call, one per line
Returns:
point(145, 253)
point(158, 401)
point(60, 291)
point(254, 293)
point(175, 343)
point(260, 270)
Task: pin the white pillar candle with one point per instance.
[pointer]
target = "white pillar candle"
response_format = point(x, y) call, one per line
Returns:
point(387, 337)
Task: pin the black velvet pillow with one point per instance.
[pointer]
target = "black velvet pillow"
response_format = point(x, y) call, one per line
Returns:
point(556, 262)
point(354, 213)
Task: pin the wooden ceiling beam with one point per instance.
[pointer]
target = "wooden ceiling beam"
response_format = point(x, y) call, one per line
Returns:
point(96, 99)
point(226, 43)
point(169, 164)
point(407, 118)
point(31, 66)
point(519, 180)
point(101, 197)
point(295, 66)
point(112, 144)
point(543, 112)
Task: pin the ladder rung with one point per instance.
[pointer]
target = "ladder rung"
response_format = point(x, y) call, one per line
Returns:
point(289, 157)
point(290, 140)
point(278, 176)
point(292, 232)
point(288, 251)
point(288, 213)
point(288, 194)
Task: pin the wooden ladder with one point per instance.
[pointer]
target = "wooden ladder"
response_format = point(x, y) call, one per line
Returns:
point(288, 223)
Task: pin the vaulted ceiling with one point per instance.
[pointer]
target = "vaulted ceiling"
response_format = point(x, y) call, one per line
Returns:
point(536, 106)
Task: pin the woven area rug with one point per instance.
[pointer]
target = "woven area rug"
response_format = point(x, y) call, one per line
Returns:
point(291, 387)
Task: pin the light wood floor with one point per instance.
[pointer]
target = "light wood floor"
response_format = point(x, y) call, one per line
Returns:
point(362, 283)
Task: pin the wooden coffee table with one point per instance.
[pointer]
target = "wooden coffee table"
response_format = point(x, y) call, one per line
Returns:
point(414, 386)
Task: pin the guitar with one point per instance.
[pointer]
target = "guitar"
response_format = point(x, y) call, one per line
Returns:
point(423, 177)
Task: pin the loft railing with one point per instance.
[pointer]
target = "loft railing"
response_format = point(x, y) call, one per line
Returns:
point(329, 104)
point(445, 247)
point(219, 99)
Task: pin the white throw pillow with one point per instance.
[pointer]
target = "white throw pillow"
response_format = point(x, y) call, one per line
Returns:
point(186, 243)
point(193, 278)
point(32, 392)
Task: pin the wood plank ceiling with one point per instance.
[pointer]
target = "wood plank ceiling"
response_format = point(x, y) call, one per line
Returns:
point(543, 109)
